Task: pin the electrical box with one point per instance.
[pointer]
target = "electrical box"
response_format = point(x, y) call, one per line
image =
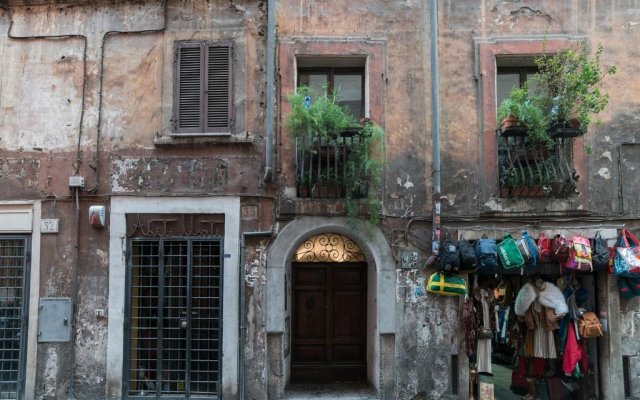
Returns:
point(76, 181)
point(54, 320)
point(97, 215)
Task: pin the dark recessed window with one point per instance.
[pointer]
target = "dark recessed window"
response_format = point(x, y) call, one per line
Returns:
point(203, 87)
point(509, 77)
point(347, 82)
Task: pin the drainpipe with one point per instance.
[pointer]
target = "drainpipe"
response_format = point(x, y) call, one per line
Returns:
point(271, 67)
point(435, 126)
point(241, 301)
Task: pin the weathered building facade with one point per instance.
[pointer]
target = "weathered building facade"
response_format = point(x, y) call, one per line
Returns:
point(171, 115)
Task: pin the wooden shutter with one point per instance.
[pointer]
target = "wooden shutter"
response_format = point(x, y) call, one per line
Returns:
point(218, 107)
point(189, 88)
point(203, 90)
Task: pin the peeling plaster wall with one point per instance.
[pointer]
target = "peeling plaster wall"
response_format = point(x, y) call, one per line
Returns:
point(43, 143)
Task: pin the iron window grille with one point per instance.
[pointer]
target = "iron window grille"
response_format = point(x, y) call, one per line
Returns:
point(14, 269)
point(174, 318)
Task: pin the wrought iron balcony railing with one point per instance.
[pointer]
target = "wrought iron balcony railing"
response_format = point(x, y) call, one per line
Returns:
point(536, 170)
point(321, 165)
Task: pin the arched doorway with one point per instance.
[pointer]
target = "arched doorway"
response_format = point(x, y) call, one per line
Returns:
point(329, 311)
point(381, 301)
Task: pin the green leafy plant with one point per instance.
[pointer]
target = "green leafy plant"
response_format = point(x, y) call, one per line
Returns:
point(364, 172)
point(324, 119)
point(569, 81)
point(321, 117)
point(528, 110)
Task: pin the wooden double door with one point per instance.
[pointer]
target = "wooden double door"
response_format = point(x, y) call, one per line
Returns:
point(329, 328)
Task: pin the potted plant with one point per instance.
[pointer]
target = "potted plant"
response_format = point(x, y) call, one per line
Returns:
point(302, 182)
point(507, 181)
point(522, 114)
point(569, 81)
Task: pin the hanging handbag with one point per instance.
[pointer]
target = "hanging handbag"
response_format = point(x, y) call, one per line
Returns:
point(627, 258)
point(544, 247)
point(560, 249)
point(589, 325)
point(509, 254)
point(468, 260)
point(446, 285)
point(579, 255)
point(599, 253)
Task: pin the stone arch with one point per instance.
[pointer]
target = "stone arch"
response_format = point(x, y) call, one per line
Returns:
point(381, 305)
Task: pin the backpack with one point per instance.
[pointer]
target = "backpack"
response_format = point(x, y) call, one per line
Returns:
point(589, 325)
point(560, 249)
point(580, 255)
point(599, 253)
point(528, 248)
point(449, 257)
point(544, 246)
point(468, 260)
point(487, 255)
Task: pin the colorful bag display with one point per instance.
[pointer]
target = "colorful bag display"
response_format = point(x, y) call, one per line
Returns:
point(446, 284)
point(510, 256)
point(579, 255)
point(627, 259)
point(599, 253)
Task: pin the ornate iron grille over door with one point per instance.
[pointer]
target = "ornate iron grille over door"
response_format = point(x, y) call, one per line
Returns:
point(13, 314)
point(175, 318)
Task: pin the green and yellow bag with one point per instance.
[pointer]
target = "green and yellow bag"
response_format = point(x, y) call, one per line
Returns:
point(447, 284)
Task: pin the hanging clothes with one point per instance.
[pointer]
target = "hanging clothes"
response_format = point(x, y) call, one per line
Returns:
point(543, 341)
point(469, 324)
point(484, 345)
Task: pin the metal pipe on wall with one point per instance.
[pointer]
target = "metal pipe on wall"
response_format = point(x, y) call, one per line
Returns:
point(435, 125)
point(271, 67)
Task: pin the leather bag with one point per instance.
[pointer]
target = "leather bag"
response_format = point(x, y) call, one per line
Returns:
point(589, 325)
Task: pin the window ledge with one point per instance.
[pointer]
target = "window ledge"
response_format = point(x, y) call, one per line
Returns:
point(203, 139)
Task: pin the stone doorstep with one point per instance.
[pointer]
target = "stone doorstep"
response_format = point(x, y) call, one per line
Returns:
point(342, 391)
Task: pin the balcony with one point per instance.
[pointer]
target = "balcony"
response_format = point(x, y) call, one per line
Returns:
point(322, 165)
point(536, 169)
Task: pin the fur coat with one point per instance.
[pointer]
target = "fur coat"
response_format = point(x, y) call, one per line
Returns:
point(547, 294)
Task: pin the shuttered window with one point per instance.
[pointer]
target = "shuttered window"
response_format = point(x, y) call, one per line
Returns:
point(203, 88)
